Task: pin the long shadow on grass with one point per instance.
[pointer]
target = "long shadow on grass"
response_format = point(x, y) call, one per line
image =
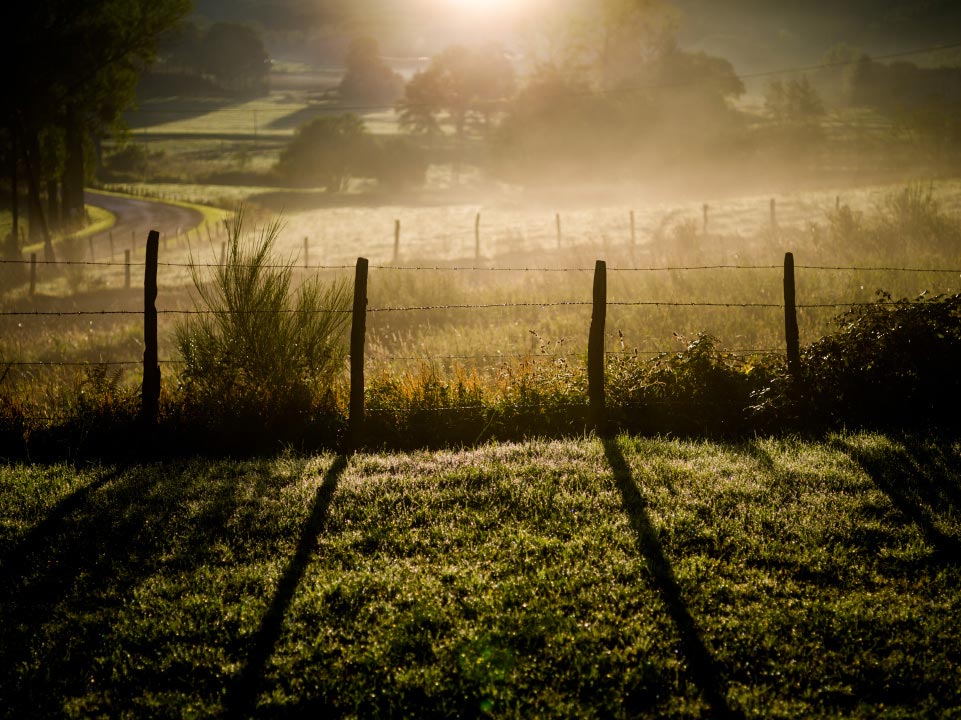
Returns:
point(15, 562)
point(704, 670)
point(242, 698)
point(63, 584)
point(921, 480)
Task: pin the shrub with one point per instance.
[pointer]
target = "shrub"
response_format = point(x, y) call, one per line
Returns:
point(260, 350)
point(890, 363)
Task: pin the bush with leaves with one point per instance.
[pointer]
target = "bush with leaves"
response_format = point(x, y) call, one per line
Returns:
point(891, 363)
point(260, 349)
point(700, 389)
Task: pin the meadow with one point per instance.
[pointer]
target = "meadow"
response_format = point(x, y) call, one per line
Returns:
point(699, 281)
point(586, 578)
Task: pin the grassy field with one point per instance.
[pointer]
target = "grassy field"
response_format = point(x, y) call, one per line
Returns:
point(588, 578)
point(520, 236)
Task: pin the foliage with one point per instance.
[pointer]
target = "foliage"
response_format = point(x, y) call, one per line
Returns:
point(468, 86)
point(368, 78)
point(259, 347)
point(794, 102)
point(328, 150)
point(892, 363)
point(397, 164)
point(235, 55)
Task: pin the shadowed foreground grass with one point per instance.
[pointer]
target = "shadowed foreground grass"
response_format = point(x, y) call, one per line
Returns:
point(620, 578)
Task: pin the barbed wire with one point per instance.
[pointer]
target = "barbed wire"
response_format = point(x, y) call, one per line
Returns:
point(425, 308)
point(481, 269)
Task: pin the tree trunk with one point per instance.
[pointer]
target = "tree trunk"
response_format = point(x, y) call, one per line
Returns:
point(14, 192)
point(31, 156)
point(74, 173)
point(53, 203)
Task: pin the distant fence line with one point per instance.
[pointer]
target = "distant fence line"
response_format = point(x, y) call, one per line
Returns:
point(596, 352)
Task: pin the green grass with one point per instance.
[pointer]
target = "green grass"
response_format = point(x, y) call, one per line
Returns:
point(632, 578)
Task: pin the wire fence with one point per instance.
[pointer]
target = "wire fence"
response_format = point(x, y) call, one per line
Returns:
point(496, 357)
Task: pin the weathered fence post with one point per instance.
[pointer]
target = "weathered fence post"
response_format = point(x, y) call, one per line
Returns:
point(792, 334)
point(358, 332)
point(633, 230)
point(150, 393)
point(595, 349)
point(306, 252)
point(126, 269)
point(560, 236)
point(706, 210)
point(133, 241)
point(33, 274)
point(396, 240)
point(477, 221)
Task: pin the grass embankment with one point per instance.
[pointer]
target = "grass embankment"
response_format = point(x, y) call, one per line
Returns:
point(98, 221)
point(778, 578)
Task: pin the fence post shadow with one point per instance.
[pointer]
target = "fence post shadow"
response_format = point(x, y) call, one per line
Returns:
point(908, 488)
point(241, 698)
point(704, 671)
point(14, 562)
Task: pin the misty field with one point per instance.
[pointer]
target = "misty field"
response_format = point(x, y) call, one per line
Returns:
point(623, 578)
point(534, 295)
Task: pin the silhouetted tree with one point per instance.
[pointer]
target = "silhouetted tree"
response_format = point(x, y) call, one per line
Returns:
point(327, 151)
point(467, 86)
point(76, 69)
point(235, 55)
point(368, 78)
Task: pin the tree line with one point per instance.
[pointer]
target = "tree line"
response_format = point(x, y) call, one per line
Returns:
point(75, 68)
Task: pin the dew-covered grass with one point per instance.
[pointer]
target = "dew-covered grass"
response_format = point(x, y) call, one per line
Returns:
point(586, 578)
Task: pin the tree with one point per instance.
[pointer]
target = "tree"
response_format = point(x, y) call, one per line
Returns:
point(794, 102)
point(76, 69)
point(327, 151)
point(468, 86)
point(368, 79)
point(235, 55)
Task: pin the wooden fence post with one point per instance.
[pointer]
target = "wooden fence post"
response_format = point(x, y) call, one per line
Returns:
point(133, 241)
point(126, 269)
point(633, 230)
point(358, 332)
point(33, 274)
point(792, 334)
point(306, 252)
point(477, 221)
point(706, 210)
point(150, 393)
point(396, 240)
point(560, 236)
point(595, 349)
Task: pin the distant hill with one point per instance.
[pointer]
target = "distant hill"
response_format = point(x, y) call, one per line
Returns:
point(756, 34)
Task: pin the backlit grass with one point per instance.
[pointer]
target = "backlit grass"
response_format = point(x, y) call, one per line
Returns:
point(773, 578)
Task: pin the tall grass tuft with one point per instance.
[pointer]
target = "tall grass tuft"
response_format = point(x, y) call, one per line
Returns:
point(261, 349)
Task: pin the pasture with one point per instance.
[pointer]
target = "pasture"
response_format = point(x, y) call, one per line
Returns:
point(586, 578)
point(424, 303)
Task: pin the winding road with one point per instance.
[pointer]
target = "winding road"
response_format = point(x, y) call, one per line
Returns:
point(135, 218)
